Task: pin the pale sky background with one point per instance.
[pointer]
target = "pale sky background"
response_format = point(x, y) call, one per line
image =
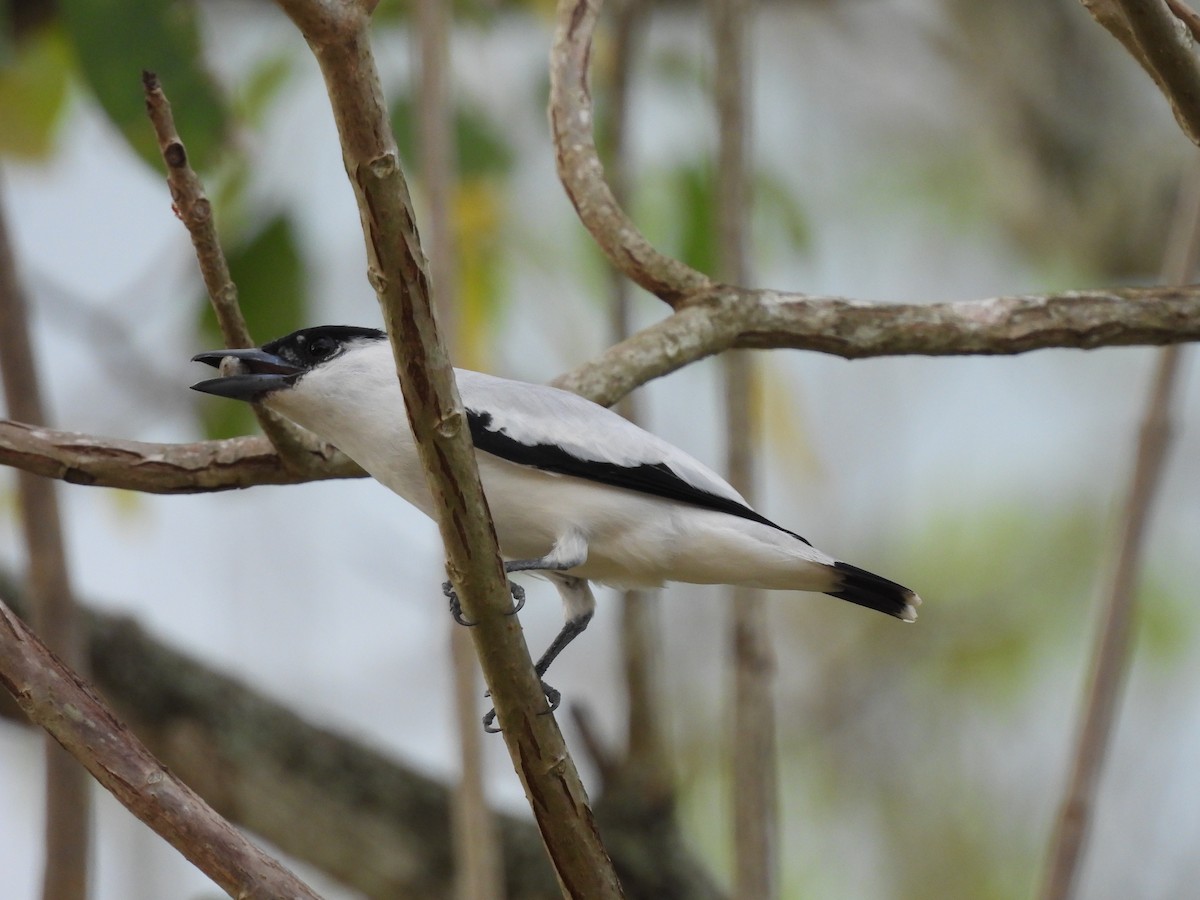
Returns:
point(327, 596)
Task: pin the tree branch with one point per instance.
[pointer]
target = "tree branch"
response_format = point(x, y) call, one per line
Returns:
point(733, 317)
point(759, 319)
point(1159, 34)
point(158, 468)
point(65, 866)
point(1113, 642)
point(193, 208)
point(396, 268)
point(375, 824)
point(582, 174)
point(60, 702)
point(753, 759)
point(647, 763)
point(477, 867)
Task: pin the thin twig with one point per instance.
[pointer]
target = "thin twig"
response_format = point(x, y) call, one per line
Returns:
point(193, 208)
point(65, 869)
point(1111, 652)
point(753, 759)
point(56, 698)
point(338, 37)
point(646, 758)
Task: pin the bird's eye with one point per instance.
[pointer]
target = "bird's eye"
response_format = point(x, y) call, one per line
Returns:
point(322, 348)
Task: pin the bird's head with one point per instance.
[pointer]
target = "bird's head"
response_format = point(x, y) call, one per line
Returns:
point(255, 373)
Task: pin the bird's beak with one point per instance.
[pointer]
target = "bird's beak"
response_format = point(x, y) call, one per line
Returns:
point(253, 375)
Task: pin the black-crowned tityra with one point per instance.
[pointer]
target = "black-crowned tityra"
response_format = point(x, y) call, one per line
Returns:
point(577, 492)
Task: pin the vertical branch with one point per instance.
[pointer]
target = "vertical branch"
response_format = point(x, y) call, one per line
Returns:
point(641, 645)
point(1111, 653)
point(337, 33)
point(755, 807)
point(478, 874)
point(54, 615)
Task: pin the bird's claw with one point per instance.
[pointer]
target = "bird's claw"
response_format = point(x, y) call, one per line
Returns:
point(553, 699)
point(455, 606)
point(515, 590)
point(518, 595)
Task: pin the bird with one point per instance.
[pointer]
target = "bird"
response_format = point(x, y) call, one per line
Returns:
point(578, 493)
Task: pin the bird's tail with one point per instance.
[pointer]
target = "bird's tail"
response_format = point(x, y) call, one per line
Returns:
point(875, 592)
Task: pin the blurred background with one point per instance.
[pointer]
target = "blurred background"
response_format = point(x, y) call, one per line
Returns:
point(904, 150)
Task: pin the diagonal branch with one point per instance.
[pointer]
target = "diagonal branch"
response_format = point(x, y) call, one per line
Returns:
point(1112, 648)
point(396, 268)
point(375, 824)
point(193, 208)
point(56, 699)
point(1160, 35)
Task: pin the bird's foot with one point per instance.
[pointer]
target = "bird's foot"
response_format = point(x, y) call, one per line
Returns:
point(553, 699)
point(518, 595)
point(455, 606)
point(515, 590)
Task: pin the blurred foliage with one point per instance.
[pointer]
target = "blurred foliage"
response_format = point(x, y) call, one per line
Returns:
point(33, 93)
point(252, 98)
point(479, 219)
point(485, 158)
point(481, 148)
point(1075, 156)
point(678, 206)
point(104, 47)
point(115, 42)
point(271, 281)
point(913, 757)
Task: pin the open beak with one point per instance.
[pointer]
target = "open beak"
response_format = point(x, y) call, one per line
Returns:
point(255, 374)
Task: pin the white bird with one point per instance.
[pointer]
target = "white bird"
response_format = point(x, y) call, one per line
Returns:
point(577, 492)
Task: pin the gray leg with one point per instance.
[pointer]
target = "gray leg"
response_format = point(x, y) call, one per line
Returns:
point(577, 600)
point(571, 629)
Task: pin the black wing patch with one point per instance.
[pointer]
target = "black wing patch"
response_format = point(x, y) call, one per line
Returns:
point(655, 479)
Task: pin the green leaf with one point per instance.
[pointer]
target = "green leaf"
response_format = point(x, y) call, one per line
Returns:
point(270, 278)
point(697, 240)
point(783, 213)
point(255, 96)
point(481, 147)
point(115, 42)
point(33, 91)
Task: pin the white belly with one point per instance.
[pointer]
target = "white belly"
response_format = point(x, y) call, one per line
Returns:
point(639, 540)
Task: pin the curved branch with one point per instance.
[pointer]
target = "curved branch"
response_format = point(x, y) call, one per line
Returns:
point(1161, 37)
point(582, 174)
